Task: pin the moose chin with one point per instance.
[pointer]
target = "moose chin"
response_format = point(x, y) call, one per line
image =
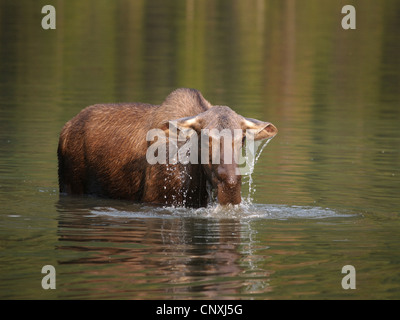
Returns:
point(104, 151)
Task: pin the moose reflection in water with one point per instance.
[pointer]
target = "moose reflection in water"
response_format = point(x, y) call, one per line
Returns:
point(177, 255)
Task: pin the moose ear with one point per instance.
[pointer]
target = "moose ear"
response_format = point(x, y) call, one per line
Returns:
point(195, 123)
point(262, 130)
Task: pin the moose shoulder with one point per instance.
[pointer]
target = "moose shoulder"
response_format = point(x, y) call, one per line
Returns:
point(104, 151)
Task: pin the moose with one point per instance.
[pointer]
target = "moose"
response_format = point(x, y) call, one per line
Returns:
point(103, 151)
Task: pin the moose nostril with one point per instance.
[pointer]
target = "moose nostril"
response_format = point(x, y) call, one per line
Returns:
point(227, 176)
point(231, 181)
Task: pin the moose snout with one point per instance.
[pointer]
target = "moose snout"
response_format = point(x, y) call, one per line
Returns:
point(227, 175)
point(231, 181)
point(229, 193)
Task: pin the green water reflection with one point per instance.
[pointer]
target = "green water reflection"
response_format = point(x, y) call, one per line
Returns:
point(333, 94)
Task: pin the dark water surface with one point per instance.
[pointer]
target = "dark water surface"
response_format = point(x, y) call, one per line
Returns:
point(326, 187)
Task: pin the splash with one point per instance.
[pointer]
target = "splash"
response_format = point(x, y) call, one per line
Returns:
point(251, 158)
point(243, 212)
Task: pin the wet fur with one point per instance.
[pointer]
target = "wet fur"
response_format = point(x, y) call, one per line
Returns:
point(102, 152)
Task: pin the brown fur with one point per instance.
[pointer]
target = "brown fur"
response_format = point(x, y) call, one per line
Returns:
point(102, 152)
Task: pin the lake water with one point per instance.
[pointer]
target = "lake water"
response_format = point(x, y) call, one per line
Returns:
point(325, 191)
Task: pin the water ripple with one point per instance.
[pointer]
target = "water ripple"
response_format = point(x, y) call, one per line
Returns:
point(244, 211)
